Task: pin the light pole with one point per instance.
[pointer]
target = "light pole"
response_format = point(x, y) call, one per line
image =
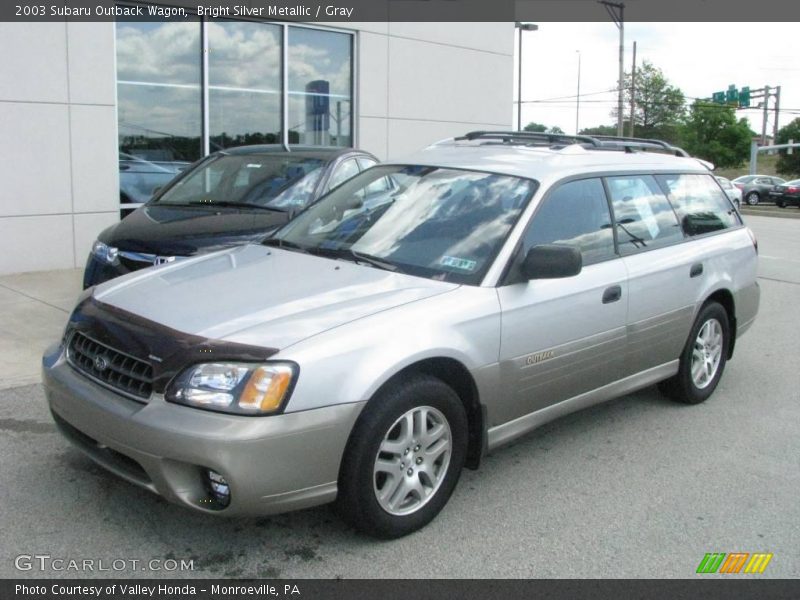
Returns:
point(616, 10)
point(578, 97)
point(522, 27)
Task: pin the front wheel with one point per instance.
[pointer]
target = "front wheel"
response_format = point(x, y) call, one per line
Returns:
point(703, 358)
point(403, 458)
point(752, 198)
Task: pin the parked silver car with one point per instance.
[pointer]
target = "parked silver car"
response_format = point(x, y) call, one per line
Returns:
point(731, 191)
point(386, 338)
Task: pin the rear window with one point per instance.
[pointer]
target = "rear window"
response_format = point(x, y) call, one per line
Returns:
point(699, 203)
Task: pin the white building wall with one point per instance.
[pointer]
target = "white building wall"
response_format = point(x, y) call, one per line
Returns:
point(59, 180)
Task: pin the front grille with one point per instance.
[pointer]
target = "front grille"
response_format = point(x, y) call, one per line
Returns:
point(119, 371)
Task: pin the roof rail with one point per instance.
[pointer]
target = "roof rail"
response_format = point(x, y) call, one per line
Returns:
point(596, 142)
point(529, 136)
point(630, 143)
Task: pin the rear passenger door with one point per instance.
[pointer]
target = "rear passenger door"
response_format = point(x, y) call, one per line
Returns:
point(563, 337)
point(662, 271)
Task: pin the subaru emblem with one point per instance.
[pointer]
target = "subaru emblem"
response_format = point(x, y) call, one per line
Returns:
point(100, 363)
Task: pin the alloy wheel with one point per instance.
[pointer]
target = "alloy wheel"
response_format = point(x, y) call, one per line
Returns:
point(412, 460)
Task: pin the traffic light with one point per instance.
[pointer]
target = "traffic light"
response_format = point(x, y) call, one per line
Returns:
point(744, 97)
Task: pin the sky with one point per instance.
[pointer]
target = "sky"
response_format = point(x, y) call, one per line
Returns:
point(699, 58)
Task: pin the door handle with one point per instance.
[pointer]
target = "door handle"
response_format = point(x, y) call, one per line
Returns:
point(696, 270)
point(612, 294)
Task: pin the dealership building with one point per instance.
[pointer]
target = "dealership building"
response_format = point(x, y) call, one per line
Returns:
point(96, 114)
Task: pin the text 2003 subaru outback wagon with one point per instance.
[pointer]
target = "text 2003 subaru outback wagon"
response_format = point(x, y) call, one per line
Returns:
point(420, 315)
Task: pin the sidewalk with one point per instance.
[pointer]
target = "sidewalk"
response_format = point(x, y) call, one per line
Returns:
point(34, 308)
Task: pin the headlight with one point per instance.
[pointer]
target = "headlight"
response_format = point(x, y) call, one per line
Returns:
point(104, 252)
point(238, 388)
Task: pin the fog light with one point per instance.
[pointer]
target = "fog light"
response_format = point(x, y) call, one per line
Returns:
point(219, 488)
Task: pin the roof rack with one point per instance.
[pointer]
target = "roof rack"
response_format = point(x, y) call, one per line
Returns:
point(625, 144)
point(629, 143)
point(528, 136)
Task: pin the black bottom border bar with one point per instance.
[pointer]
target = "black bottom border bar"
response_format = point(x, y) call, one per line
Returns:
point(400, 589)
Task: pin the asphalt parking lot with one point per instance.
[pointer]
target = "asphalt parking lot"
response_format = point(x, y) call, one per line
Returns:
point(638, 487)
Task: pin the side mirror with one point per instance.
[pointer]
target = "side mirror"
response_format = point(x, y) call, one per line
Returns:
point(552, 261)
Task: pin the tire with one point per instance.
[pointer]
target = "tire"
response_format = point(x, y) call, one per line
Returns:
point(780, 203)
point(705, 353)
point(386, 440)
point(752, 198)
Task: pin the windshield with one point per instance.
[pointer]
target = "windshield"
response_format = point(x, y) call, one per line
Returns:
point(444, 224)
point(273, 181)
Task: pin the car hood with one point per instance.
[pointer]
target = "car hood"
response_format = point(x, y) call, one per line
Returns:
point(262, 296)
point(186, 230)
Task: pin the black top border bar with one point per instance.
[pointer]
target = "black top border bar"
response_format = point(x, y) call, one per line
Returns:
point(354, 11)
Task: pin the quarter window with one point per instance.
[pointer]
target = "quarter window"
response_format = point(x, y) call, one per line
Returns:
point(575, 214)
point(343, 172)
point(644, 218)
point(701, 206)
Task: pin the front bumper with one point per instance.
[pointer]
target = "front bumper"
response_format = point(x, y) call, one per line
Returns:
point(273, 464)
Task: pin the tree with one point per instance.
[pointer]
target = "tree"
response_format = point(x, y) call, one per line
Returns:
point(789, 164)
point(535, 127)
point(539, 128)
point(659, 106)
point(713, 133)
point(600, 130)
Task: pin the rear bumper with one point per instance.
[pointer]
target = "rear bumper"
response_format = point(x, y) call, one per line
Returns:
point(272, 464)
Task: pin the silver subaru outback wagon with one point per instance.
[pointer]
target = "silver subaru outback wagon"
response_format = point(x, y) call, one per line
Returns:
point(420, 315)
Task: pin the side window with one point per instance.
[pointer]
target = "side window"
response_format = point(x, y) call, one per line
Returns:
point(575, 214)
point(343, 172)
point(763, 181)
point(645, 219)
point(701, 206)
point(365, 162)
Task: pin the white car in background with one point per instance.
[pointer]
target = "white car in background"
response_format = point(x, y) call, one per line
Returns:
point(734, 193)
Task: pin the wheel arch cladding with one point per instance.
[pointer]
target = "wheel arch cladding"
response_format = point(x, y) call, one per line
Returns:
point(725, 298)
point(455, 375)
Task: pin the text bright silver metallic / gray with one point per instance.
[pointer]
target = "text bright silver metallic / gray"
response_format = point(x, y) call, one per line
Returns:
point(420, 315)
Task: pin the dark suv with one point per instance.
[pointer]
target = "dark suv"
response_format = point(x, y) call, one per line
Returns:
point(231, 197)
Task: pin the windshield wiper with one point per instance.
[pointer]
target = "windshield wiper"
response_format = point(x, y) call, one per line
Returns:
point(357, 257)
point(286, 245)
point(227, 203)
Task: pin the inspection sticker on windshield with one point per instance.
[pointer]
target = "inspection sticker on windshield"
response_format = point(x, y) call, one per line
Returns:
point(458, 263)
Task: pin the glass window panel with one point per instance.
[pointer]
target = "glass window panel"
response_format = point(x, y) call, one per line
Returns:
point(575, 214)
point(701, 206)
point(343, 172)
point(645, 219)
point(244, 76)
point(320, 87)
point(158, 103)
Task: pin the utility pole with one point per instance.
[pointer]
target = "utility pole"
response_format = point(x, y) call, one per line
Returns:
point(616, 10)
point(766, 114)
point(633, 87)
point(777, 110)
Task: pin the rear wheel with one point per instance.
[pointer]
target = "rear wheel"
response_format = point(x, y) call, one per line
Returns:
point(780, 204)
point(404, 458)
point(703, 358)
point(752, 198)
